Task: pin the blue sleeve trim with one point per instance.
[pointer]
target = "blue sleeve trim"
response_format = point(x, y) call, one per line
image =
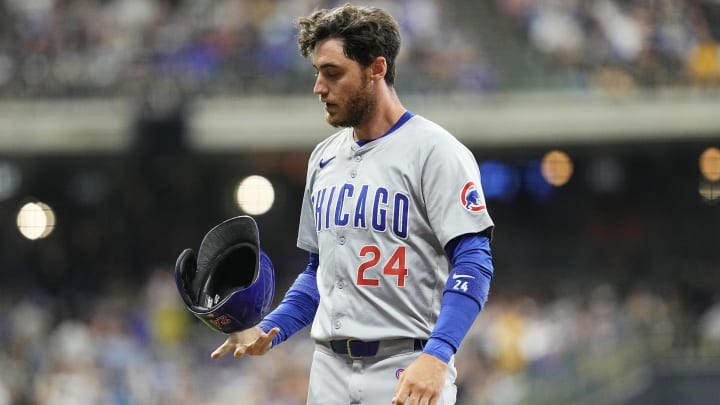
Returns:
point(298, 307)
point(465, 293)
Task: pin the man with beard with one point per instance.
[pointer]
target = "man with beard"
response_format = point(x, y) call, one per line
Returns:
point(396, 227)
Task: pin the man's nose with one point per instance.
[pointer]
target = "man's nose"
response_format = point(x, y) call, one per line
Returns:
point(319, 88)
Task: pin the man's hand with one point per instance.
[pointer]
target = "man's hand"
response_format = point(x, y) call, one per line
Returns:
point(422, 382)
point(253, 341)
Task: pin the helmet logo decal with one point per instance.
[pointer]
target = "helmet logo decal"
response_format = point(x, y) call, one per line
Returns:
point(221, 321)
point(470, 197)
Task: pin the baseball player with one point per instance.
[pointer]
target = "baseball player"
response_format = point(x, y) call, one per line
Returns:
point(396, 226)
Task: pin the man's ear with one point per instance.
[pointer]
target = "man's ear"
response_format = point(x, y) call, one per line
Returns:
point(378, 68)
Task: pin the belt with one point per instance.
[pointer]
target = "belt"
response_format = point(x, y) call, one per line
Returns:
point(357, 349)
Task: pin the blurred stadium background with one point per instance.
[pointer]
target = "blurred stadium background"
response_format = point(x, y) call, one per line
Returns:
point(128, 128)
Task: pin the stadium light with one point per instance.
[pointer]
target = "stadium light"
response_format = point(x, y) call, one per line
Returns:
point(255, 195)
point(36, 220)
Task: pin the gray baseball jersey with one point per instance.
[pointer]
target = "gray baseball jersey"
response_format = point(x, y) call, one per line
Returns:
point(378, 216)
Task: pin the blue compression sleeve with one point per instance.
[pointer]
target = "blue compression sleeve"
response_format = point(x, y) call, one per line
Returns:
point(299, 305)
point(465, 293)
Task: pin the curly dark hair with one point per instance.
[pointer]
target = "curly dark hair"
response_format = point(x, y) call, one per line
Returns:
point(367, 33)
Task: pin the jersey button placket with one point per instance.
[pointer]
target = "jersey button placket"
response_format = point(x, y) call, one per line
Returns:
point(354, 169)
point(339, 302)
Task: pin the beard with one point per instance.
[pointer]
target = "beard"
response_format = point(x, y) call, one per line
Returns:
point(360, 103)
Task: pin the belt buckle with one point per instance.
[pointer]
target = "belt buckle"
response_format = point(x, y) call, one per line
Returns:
point(349, 351)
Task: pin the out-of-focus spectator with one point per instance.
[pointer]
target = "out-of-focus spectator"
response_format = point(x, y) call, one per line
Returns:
point(556, 32)
point(710, 329)
point(703, 61)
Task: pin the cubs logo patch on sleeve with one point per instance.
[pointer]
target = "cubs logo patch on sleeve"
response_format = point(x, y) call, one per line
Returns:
point(470, 197)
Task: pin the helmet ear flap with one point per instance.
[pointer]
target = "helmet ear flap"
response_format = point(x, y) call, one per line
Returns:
point(186, 278)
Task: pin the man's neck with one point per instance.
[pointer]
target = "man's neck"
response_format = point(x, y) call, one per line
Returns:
point(387, 112)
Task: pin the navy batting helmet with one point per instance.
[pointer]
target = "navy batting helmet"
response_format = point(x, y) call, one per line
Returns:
point(231, 283)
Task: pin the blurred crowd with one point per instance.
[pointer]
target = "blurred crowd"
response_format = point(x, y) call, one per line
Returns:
point(140, 346)
point(120, 47)
point(623, 45)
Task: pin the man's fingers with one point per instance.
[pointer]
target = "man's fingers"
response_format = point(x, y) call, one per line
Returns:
point(273, 332)
point(400, 397)
point(240, 350)
point(263, 343)
point(414, 398)
point(267, 339)
point(400, 391)
point(221, 351)
point(404, 397)
point(254, 342)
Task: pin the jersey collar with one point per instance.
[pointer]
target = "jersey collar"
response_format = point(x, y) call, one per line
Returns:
point(403, 119)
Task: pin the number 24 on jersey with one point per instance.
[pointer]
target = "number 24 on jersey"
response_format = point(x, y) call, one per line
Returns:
point(393, 266)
